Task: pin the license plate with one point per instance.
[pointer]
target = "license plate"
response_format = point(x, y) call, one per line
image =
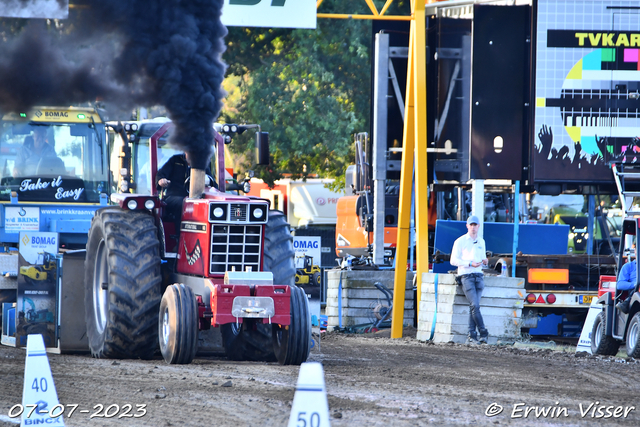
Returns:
point(586, 299)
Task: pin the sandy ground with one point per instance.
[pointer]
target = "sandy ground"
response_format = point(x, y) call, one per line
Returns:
point(370, 380)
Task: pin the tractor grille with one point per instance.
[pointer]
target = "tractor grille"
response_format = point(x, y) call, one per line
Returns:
point(238, 212)
point(235, 247)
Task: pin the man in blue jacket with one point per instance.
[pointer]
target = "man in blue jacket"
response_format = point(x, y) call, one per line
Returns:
point(627, 282)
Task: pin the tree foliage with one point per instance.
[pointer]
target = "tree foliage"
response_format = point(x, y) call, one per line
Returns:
point(310, 89)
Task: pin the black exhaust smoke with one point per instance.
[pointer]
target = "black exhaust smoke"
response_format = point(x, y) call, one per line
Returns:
point(128, 53)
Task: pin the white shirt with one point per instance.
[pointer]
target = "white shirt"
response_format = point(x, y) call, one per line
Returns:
point(467, 250)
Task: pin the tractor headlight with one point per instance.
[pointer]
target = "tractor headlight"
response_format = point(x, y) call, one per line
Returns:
point(132, 204)
point(218, 212)
point(258, 213)
point(149, 204)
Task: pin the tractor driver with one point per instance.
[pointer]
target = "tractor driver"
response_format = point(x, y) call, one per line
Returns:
point(171, 177)
point(32, 151)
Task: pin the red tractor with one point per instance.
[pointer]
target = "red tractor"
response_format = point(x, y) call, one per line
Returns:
point(612, 327)
point(230, 266)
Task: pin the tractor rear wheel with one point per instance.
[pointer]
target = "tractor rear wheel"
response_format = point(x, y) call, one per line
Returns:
point(122, 284)
point(178, 324)
point(292, 343)
point(633, 337)
point(315, 279)
point(601, 343)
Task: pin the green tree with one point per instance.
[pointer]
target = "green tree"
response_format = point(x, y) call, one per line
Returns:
point(310, 89)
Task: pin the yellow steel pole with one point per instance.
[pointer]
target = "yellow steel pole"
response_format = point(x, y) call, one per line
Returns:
point(414, 138)
point(404, 205)
point(422, 176)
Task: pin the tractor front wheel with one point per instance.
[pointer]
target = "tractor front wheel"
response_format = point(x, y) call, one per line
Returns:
point(292, 343)
point(122, 284)
point(601, 343)
point(178, 325)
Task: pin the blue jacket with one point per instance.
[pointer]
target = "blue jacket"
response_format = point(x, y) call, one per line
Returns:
point(627, 277)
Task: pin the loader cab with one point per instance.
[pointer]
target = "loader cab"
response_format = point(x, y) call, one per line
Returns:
point(53, 155)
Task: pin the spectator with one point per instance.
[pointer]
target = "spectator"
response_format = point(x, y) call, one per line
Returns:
point(469, 255)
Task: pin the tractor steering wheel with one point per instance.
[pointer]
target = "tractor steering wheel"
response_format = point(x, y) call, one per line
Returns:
point(208, 182)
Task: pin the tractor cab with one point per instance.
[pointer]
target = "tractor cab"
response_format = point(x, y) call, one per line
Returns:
point(613, 326)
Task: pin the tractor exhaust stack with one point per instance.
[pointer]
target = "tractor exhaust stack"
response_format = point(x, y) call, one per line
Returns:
point(196, 183)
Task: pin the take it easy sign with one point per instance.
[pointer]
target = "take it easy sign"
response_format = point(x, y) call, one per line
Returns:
point(269, 13)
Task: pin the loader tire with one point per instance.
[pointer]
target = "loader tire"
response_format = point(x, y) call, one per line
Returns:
point(178, 325)
point(252, 340)
point(122, 284)
point(633, 337)
point(292, 343)
point(603, 344)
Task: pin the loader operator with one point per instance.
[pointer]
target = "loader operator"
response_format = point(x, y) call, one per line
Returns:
point(627, 282)
point(171, 177)
point(32, 151)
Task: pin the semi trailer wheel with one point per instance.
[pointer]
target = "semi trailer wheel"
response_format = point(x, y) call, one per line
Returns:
point(252, 340)
point(633, 337)
point(292, 343)
point(601, 343)
point(122, 284)
point(178, 324)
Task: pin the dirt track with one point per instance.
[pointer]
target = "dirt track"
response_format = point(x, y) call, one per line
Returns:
point(370, 381)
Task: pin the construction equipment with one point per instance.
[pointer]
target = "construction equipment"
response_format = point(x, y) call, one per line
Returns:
point(307, 273)
point(230, 265)
point(612, 327)
point(355, 211)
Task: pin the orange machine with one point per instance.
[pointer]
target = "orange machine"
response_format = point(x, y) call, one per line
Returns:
point(354, 229)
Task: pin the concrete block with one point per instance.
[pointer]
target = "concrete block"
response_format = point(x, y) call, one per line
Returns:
point(501, 307)
point(8, 263)
point(8, 282)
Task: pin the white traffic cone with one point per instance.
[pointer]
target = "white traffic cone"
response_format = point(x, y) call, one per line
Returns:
point(39, 389)
point(310, 406)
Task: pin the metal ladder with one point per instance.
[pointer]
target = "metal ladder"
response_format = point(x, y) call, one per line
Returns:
point(627, 175)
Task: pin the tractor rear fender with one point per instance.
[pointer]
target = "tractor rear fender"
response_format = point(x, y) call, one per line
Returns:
point(136, 202)
point(607, 307)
